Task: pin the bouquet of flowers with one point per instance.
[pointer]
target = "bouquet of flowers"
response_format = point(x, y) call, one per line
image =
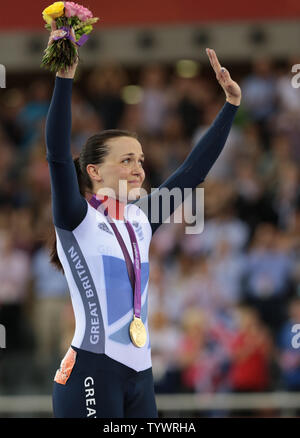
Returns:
point(62, 52)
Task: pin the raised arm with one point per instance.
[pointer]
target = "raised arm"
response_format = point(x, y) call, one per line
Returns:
point(68, 205)
point(201, 159)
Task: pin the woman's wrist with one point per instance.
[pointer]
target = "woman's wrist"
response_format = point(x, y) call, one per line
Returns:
point(58, 75)
point(234, 100)
point(65, 75)
point(68, 74)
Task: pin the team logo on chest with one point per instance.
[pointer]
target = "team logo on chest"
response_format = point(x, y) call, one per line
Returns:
point(138, 230)
point(102, 226)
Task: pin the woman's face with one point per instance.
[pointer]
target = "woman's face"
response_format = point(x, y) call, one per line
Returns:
point(122, 171)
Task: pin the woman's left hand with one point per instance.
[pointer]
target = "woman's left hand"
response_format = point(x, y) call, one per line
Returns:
point(231, 88)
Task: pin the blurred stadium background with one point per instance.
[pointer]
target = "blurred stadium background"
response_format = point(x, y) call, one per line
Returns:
point(223, 303)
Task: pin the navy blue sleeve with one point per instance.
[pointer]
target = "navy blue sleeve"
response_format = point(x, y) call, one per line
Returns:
point(194, 169)
point(69, 207)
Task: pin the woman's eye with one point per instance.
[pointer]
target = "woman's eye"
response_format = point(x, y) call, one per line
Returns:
point(128, 160)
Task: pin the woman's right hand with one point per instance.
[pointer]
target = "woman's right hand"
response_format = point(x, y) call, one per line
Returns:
point(232, 89)
point(62, 73)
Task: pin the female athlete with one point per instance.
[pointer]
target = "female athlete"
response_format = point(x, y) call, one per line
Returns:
point(102, 242)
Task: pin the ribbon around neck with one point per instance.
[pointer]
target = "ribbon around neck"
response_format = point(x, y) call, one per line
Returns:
point(134, 269)
point(83, 39)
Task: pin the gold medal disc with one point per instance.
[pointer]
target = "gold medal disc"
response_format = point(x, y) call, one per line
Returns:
point(138, 332)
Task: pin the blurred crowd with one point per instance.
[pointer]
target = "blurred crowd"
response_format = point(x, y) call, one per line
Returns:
point(222, 303)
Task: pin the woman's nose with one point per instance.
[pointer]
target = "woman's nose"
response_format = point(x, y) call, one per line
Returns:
point(137, 168)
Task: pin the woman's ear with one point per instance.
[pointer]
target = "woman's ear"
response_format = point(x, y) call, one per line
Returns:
point(93, 171)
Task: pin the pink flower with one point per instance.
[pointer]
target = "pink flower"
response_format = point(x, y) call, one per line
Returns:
point(70, 9)
point(74, 9)
point(84, 14)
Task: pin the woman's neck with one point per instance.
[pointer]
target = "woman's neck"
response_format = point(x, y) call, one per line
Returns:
point(114, 207)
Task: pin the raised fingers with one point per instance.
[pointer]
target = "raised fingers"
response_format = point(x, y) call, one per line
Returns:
point(56, 33)
point(214, 60)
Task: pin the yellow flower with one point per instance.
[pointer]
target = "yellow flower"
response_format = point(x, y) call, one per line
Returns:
point(47, 18)
point(53, 11)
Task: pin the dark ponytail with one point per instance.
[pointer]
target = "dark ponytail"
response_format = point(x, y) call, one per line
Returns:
point(93, 152)
point(83, 179)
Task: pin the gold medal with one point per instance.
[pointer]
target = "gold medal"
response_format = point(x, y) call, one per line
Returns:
point(137, 332)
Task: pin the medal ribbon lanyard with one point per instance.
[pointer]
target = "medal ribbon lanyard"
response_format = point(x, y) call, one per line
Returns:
point(134, 269)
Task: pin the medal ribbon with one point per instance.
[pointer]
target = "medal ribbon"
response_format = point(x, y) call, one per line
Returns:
point(134, 270)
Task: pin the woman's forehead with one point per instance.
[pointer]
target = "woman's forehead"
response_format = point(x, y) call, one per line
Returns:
point(124, 145)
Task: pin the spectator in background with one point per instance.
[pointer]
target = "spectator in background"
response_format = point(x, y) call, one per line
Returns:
point(164, 244)
point(253, 203)
point(31, 116)
point(251, 353)
point(199, 357)
point(156, 161)
point(214, 283)
point(267, 276)
point(131, 117)
point(12, 102)
point(204, 290)
point(6, 170)
point(175, 145)
point(227, 269)
point(14, 292)
point(247, 184)
point(50, 310)
point(288, 355)
point(22, 222)
point(103, 89)
point(164, 342)
point(85, 120)
point(51, 298)
point(259, 93)
point(188, 96)
point(269, 164)
point(288, 100)
point(179, 279)
point(36, 176)
point(287, 118)
point(292, 242)
point(156, 299)
point(287, 192)
point(221, 222)
point(154, 104)
point(223, 168)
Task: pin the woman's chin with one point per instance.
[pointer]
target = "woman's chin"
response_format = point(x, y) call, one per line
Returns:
point(134, 193)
